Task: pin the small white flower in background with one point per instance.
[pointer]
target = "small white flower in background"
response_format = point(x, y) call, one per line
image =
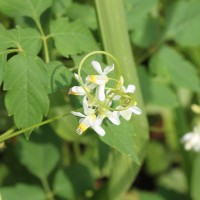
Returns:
point(191, 140)
point(101, 102)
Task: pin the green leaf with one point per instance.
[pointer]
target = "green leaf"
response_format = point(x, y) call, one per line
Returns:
point(39, 159)
point(3, 58)
point(182, 23)
point(150, 196)
point(22, 191)
point(59, 7)
point(143, 21)
point(152, 93)
point(29, 8)
point(137, 11)
point(169, 98)
point(72, 37)
point(157, 153)
point(122, 138)
point(195, 181)
point(174, 180)
point(81, 178)
point(59, 76)
point(59, 107)
point(169, 64)
point(5, 38)
point(146, 33)
point(85, 13)
point(63, 186)
point(26, 83)
point(27, 39)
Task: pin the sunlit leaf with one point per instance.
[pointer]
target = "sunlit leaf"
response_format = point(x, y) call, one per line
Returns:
point(27, 39)
point(122, 138)
point(26, 85)
point(72, 37)
point(39, 159)
point(30, 8)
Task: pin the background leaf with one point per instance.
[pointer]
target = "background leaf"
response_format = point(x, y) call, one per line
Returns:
point(30, 8)
point(85, 13)
point(195, 192)
point(22, 191)
point(167, 62)
point(40, 160)
point(2, 67)
point(182, 23)
point(26, 83)
point(152, 88)
point(59, 76)
point(63, 187)
point(72, 37)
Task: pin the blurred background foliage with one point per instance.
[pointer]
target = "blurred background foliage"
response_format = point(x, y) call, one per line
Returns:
point(58, 164)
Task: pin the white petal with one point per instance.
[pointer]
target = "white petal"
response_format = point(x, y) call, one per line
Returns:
point(108, 69)
point(126, 114)
point(113, 117)
point(77, 76)
point(78, 114)
point(96, 65)
point(186, 137)
point(136, 110)
point(77, 90)
point(131, 88)
point(97, 79)
point(101, 92)
point(99, 130)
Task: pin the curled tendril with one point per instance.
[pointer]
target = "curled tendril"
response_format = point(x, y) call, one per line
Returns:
point(127, 99)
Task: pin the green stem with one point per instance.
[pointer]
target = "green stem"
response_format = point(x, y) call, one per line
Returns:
point(5, 135)
point(44, 40)
point(49, 193)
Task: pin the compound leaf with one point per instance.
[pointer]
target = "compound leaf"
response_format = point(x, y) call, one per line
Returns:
point(26, 83)
point(72, 38)
point(29, 8)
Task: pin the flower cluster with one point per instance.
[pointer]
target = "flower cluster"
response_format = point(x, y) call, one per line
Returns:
point(101, 101)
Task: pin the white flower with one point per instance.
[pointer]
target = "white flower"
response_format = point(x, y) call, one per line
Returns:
point(77, 90)
point(127, 113)
point(112, 116)
point(191, 140)
point(89, 120)
point(100, 79)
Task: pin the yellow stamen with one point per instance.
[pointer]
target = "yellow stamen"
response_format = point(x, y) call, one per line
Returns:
point(92, 78)
point(81, 128)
